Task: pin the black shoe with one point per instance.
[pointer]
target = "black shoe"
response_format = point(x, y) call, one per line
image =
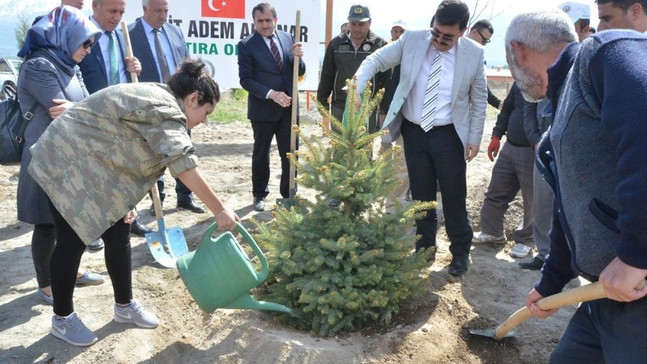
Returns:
point(190, 205)
point(458, 266)
point(259, 204)
point(534, 264)
point(96, 245)
point(139, 229)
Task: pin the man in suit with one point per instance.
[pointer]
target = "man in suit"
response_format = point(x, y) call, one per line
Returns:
point(265, 64)
point(161, 49)
point(97, 68)
point(440, 118)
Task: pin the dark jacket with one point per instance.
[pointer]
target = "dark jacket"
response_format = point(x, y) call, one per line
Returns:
point(510, 121)
point(259, 72)
point(93, 66)
point(43, 77)
point(142, 49)
point(595, 159)
point(340, 63)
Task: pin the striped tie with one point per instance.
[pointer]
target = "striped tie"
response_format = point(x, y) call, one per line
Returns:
point(431, 95)
point(275, 53)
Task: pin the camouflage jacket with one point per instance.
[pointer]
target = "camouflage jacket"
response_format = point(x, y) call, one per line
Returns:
point(99, 158)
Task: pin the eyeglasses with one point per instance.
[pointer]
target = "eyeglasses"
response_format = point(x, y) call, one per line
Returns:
point(484, 40)
point(88, 44)
point(445, 37)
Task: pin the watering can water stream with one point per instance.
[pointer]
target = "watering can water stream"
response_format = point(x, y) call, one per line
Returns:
point(219, 274)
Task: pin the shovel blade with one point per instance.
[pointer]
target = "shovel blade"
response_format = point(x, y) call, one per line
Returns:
point(160, 254)
point(167, 245)
point(490, 333)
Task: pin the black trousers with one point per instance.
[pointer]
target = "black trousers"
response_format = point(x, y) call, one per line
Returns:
point(67, 256)
point(437, 156)
point(264, 132)
point(43, 241)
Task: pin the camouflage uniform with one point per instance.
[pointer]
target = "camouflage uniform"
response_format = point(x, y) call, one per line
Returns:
point(100, 158)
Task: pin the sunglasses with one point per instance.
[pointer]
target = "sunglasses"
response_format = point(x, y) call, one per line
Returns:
point(88, 44)
point(444, 37)
point(485, 40)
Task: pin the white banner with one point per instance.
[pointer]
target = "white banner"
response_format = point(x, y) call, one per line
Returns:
point(213, 28)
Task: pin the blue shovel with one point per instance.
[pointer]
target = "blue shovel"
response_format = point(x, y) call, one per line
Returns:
point(166, 245)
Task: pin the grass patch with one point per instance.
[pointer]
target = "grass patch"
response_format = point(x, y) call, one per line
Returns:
point(231, 108)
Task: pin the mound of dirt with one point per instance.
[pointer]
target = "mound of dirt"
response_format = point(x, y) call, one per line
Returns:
point(430, 329)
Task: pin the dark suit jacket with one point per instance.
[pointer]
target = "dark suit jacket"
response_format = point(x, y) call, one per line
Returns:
point(93, 67)
point(259, 72)
point(143, 51)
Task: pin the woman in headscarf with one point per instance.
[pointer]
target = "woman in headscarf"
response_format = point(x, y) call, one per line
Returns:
point(99, 159)
point(50, 79)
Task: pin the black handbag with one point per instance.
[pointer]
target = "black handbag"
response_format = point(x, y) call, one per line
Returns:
point(12, 126)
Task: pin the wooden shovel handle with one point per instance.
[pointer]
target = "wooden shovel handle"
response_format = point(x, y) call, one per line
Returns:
point(589, 292)
point(295, 98)
point(157, 202)
point(129, 49)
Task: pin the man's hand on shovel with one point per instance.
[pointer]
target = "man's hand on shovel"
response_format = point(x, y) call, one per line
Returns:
point(622, 282)
point(533, 297)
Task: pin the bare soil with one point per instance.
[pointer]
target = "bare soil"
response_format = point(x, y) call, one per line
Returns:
point(429, 329)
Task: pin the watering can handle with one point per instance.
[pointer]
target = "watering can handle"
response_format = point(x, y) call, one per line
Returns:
point(265, 267)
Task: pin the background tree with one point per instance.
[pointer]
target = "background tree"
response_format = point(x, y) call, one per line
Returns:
point(20, 31)
point(346, 267)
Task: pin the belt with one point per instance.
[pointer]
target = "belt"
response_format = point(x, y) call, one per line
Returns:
point(432, 128)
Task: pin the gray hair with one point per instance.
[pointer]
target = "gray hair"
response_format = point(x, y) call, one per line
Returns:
point(540, 30)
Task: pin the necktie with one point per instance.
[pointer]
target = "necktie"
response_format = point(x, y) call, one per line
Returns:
point(431, 94)
point(114, 59)
point(161, 58)
point(275, 53)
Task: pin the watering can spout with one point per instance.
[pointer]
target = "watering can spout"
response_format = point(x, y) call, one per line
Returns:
point(246, 301)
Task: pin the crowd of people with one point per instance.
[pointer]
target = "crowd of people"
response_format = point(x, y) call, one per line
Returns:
point(573, 143)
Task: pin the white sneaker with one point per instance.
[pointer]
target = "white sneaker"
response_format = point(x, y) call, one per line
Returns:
point(135, 313)
point(519, 250)
point(482, 237)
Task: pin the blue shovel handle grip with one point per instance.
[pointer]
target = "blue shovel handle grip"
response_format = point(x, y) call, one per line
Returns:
point(265, 267)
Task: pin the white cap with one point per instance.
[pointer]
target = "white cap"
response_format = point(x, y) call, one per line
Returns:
point(576, 11)
point(400, 23)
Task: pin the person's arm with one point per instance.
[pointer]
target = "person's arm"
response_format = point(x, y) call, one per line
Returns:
point(503, 119)
point(557, 271)
point(494, 101)
point(622, 115)
point(327, 77)
point(531, 123)
point(225, 218)
point(247, 71)
point(478, 104)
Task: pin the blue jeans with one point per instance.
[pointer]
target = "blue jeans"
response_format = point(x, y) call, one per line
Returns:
point(437, 158)
point(605, 331)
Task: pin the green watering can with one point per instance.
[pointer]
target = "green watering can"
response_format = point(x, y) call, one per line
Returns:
point(219, 273)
